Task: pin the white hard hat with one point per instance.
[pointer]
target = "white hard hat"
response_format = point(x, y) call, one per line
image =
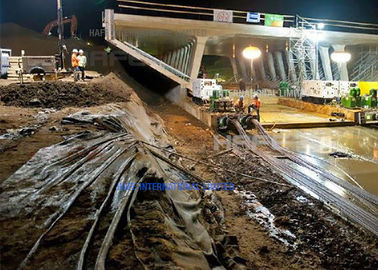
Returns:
point(81, 51)
point(75, 51)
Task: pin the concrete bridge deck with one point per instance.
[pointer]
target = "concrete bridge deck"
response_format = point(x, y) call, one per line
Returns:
point(177, 47)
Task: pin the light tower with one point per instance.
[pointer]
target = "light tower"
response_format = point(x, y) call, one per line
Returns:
point(251, 53)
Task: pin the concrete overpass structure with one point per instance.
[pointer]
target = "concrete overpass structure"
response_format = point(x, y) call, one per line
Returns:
point(175, 47)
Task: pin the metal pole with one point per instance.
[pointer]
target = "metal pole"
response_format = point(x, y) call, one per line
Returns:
point(60, 32)
point(251, 73)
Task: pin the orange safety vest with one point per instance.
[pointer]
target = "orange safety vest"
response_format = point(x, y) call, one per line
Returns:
point(257, 103)
point(74, 61)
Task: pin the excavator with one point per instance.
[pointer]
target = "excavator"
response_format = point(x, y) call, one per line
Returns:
point(54, 23)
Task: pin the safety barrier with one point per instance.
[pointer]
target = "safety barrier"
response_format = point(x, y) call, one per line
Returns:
point(240, 16)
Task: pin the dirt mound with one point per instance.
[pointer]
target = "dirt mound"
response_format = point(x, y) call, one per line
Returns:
point(58, 95)
point(19, 38)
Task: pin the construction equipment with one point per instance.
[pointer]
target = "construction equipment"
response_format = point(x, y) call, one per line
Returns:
point(4, 61)
point(285, 89)
point(203, 90)
point(369, 101)
point(320, 92)
point(39, 66)
point(220, 101)
point(72, 20)
point(246, 121)
point(367, 117)
point(353, 99)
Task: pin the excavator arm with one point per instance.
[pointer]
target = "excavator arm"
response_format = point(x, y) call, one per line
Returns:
point(54, 23)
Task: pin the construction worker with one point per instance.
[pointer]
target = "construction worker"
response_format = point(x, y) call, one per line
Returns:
point(255, 106)
point(82, 63)
point(239, 104)
point(75, 64)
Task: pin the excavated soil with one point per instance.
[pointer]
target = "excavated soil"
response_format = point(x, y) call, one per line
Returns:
point(56, 95)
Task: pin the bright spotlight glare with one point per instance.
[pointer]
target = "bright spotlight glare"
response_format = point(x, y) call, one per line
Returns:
point(315, 36)
point(251, 52)
point(341, 57)
point(321, 26)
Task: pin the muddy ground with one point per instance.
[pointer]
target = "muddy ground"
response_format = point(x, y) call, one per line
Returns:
point(57, 95)
point(322, 240)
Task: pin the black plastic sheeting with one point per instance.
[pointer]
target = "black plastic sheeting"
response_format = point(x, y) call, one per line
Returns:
point(66, 212)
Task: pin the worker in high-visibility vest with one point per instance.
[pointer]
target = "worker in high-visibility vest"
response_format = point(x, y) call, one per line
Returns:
point(82, 63)
point(255, 106)
point(239, 104)
point(75, 64)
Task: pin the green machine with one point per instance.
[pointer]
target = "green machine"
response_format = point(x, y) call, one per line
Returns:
point(370, 101)
point(220, 101)
point(285, 89)
point(353, 99)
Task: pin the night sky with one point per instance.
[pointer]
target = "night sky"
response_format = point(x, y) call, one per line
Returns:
point(35, 14)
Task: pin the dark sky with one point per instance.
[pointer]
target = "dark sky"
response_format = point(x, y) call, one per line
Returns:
point(35, 14)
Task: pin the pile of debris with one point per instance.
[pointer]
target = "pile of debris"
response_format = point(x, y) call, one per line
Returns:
point(57, 95)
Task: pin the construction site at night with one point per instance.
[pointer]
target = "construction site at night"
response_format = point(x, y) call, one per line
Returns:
point(186, 135)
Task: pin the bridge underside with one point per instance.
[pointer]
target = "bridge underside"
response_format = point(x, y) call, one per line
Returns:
point(176, 48)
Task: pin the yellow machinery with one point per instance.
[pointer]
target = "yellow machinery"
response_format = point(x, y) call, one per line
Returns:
point(366, 86)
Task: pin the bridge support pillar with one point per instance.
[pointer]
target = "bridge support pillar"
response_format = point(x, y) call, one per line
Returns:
point(180, 59)
point(315, 68)
point(177, 58)
point(169, 58)
point(182, 62)
point(272, 70)
point(243, 70)
point(234, 68)
point(177, 94)
point(280, 64)
point(198, 50)
point(326, 63)
point(343, 69)
point(261, 68)
point(187, 57)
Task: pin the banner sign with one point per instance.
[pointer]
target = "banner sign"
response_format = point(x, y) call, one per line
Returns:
point(274, 20)
point(221, 15)
point(253, 17)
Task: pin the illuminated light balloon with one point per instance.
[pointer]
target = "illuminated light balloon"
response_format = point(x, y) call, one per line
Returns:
point(341, 57)
point(251, 52)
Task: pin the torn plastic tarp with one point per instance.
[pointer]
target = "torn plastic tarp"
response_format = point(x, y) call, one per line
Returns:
point(80, 175)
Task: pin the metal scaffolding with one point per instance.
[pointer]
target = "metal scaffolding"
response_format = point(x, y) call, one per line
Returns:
point(303, 49)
